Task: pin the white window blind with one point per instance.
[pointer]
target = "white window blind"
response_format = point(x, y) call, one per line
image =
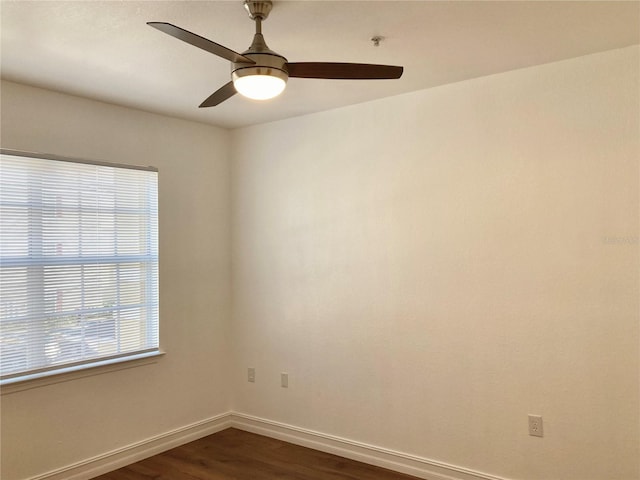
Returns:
point(78, 263)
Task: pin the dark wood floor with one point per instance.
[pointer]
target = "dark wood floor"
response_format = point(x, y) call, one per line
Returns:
point(236, 455)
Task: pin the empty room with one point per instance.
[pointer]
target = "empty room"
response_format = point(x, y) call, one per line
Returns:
point(320, 240)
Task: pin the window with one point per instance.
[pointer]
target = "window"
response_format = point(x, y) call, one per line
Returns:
point(78, 263)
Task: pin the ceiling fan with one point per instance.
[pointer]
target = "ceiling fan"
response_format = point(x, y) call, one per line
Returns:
point(260, 73)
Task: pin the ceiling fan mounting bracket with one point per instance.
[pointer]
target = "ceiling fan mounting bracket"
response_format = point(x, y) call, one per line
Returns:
point(258, 9)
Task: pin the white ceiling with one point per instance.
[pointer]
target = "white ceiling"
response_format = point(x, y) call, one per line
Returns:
point(104, 49)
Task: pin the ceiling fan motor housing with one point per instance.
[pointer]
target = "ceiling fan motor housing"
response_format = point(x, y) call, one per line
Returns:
point(267, 63)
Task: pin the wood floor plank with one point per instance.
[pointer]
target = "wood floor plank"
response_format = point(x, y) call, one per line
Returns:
point(237, 455)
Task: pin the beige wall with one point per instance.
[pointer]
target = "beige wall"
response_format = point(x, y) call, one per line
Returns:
point(54, 426)
point(431, 268)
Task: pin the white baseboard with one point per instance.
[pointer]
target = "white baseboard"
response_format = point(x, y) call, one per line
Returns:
point(400, 462)
point(134, 452)
point(397, 461)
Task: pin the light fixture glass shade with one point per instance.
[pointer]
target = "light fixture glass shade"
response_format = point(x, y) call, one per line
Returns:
point(259, 87)
point(261, 82)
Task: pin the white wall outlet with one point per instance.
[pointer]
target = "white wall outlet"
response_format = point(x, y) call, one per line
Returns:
point(535, 426)
point(284, 380)
point(251, 374)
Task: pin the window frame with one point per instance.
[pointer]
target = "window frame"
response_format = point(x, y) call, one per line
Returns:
point(89, 366)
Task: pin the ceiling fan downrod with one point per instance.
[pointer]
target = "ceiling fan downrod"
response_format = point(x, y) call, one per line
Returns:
point(258, 11)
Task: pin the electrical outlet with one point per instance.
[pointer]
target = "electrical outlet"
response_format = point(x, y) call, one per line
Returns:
point(535, 426)
point(284, 380)
point(251, 374)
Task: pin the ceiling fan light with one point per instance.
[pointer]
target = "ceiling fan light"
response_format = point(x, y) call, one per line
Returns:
point(262, 84)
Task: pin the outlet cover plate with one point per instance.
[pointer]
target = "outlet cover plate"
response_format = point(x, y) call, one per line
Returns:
point(535, 426)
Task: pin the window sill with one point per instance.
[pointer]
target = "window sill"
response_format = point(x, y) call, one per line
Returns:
point(28, 382)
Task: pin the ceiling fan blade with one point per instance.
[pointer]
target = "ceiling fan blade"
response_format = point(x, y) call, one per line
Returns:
point(219, 96)
point(200, 42)
point(343, 71)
